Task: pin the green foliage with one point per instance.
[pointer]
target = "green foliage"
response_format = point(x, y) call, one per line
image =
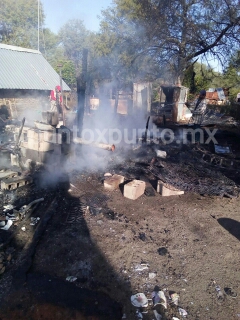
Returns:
point(204, 78)
point(19, 26)
point(74, 37)
point(48, 43)
point(68, 68)
point(19, 22)
point(117, 51)
point(174, 33)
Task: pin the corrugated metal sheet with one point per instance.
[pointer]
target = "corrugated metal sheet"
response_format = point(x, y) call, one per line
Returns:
point(26, 69)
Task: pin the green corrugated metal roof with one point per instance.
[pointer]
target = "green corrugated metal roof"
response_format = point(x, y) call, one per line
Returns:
point(26, 69)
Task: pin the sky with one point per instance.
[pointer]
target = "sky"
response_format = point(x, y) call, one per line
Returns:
point(58, 12)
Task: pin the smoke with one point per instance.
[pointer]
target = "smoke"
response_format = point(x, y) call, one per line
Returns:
point(30, 107)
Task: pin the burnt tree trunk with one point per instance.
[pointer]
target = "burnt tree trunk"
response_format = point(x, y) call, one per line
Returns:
point(81, 92)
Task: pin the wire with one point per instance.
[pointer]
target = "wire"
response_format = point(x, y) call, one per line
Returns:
point(44, 46)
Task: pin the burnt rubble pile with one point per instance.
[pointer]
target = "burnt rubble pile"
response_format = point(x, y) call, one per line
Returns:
point(212, 117)
point(196, 178)
point(183, 170)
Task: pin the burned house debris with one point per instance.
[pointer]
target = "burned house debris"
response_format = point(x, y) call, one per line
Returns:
point(119, 223)
point(172, 103)
point(217, 96)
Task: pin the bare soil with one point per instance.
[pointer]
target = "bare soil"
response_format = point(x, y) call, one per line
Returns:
point(103, 247)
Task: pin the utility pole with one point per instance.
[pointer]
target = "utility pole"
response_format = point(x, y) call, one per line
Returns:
point(38, 21)
point(81, 92)
point(61, 94)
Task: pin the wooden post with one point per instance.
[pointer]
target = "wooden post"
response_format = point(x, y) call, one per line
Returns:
point(61, 95)
point(116, 97)
point(81, 90)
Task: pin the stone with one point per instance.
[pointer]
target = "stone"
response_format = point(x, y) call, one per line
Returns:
point(162, 251)
point(9, 257)
point(112, 183)
point(152, 275)
point(8, 173)
point(45, 136)
point(2, 269)
point(36, 145)
point(134, 189)
point(24, 130)
point(107, 174)
point(50, 157)
point(14, 183)
point(35, 134)
point(167, 190)
point(161, 154)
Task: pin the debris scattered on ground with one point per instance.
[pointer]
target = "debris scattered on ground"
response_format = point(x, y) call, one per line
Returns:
point(23, 228)
point(152, 275)
point(162, 251)
point(139, 315)
point(134, 189)
point(161, 154)
point(22, 211)
point(230, 293)
point(174, 298)
point(71, 278)
point(182, 312)
point(112, 183)
point(159, 297)
point(7, 225)
point(34, 221)
point(167, 190)
point(107, 174)
point(8, 207)
point(141, 267)
point(221, 149)
point(139, 300)
point(142, 236)
point(220, 294)
point(149, 192)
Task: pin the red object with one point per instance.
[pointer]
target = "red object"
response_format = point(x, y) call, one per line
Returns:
point(53, 94)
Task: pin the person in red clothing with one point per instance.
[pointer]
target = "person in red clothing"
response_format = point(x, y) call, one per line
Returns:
point(56, 100)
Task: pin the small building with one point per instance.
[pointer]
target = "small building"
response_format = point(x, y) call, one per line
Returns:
point(171, 103)
point(217, 96)
point(142, 96)
point(26, 82)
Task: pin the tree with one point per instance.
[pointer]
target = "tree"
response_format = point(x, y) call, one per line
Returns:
point(231, 75)
point(68, 68)
point(48, 43)
point(74, 37)
point(19, 26)
point(201, 76)
point(19, 22)
point(115, 49)
point(176, 33)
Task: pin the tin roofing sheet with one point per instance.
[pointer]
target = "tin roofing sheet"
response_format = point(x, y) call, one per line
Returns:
point(27, 69)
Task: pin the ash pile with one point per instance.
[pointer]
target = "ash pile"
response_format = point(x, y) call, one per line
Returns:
point(189, 168)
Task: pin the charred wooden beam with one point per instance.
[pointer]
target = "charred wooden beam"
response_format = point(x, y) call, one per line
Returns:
point(81, 92)
point(109, 147)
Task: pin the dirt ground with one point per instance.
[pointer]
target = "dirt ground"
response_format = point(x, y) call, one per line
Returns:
point(190, 244)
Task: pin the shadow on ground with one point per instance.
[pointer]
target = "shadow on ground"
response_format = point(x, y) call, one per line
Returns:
point(231, 225)
point(63, 248)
